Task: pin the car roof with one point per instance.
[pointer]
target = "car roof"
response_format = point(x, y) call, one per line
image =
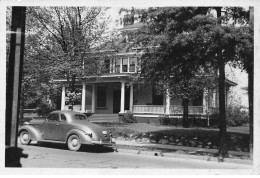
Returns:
point(65, 111)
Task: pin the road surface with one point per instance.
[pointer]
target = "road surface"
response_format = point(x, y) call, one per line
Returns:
point(57, 156)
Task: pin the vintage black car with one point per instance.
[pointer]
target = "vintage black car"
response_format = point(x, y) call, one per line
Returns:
point(69, 127)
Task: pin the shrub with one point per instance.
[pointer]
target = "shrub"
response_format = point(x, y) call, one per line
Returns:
point(128, 117)
point(44, 109)
point(164, 120)
point(235, 117)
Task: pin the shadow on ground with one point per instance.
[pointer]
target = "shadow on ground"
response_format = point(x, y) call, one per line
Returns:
point(84, 148)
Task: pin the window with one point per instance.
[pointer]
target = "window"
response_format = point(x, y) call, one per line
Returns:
point(117, 65)
point(132, 62)
point(53, 117)
point(63, 118)
point(80, 117)
point(157, 98)
point(106, 64)
point(125, 65)
point(101, 96)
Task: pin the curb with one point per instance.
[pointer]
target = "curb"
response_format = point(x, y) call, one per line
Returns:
point(158, 152)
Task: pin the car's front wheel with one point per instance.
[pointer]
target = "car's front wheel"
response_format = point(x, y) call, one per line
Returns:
point(74, 143)
point(25, 138)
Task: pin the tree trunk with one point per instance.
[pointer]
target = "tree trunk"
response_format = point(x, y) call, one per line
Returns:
point(223, 148)
point(185, 104)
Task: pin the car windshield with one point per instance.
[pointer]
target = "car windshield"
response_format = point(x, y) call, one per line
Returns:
point(80, 117)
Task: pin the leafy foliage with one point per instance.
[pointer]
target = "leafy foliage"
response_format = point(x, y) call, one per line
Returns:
point(128, 117)
point(44, 109)
point(61, 42)
point(64, 38)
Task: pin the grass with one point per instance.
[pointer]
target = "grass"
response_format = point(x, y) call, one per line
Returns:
point(238, 137)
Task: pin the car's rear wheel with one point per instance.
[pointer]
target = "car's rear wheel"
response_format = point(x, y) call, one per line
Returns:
point(74, 143)
point(25, 138)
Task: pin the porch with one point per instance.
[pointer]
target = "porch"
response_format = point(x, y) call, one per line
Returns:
point(173, 110)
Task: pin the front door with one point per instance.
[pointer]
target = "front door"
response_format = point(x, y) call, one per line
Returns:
point(127, 98)
point(116, 101)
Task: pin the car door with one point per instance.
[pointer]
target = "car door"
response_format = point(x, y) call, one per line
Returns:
point(63, 129)
point(51, 127)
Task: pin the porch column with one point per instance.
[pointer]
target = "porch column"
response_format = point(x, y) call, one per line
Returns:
point(93, 98)
point(214, 98)
point(227, 97)
point(63, 97)
point(83, 98)
point(122, 107)
point(205, 102)
point(167, 101)
point(131, 97)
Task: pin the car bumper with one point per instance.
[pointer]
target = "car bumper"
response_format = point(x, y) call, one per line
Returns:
point(102, 142)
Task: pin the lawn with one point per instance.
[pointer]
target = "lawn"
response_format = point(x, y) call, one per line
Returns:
point(238, 137)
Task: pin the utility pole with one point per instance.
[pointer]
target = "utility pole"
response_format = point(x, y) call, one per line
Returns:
point(251, 91)
point(15, 64)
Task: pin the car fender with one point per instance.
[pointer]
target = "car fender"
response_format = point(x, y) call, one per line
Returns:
point(34, 132)
point(84, 137)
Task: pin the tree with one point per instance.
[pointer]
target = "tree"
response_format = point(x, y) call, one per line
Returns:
point(64, 42)
point(172, 64)
point(216, 44)
point(245, 61)
point(221, 46)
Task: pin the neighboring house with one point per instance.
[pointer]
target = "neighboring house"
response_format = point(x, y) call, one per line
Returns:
point(116, 91)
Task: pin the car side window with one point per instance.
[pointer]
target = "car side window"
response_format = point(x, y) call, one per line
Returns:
point(53, 117)
point(63, 117)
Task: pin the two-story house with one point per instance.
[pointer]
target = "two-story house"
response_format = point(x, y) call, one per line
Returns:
point(115, 92)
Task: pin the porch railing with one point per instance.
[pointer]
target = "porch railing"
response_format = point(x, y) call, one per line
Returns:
point(192, 109)
point(213, 110)
point(174, 109)
point(154, 109)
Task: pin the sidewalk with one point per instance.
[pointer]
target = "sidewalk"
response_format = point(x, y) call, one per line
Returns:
point(180, 152)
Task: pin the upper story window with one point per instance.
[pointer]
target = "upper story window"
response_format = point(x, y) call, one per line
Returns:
point(125, 65)
point(117, 65)
point(132, 64)
point(120, 65)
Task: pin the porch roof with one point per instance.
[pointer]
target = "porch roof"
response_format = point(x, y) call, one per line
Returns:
point(230, 83)
point(103, 78)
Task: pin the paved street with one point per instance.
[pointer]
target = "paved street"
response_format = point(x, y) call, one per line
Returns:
point(57, 156)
